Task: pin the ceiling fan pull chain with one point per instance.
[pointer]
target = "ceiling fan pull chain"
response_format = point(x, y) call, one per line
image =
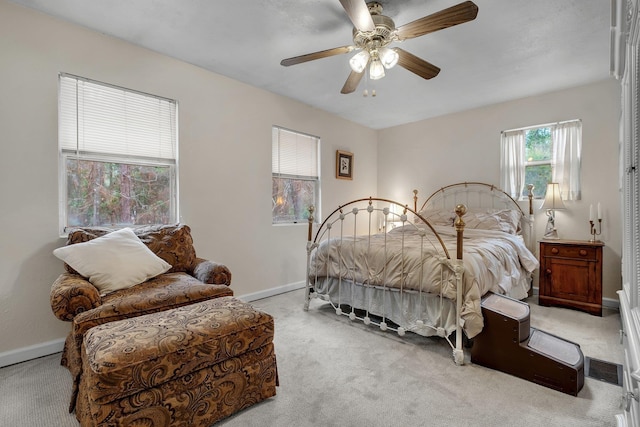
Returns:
point(365, 92)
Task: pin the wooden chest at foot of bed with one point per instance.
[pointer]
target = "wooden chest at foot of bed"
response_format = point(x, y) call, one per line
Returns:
point(508, 344)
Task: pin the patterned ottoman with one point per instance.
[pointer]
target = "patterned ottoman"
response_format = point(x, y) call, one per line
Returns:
point(189, 366)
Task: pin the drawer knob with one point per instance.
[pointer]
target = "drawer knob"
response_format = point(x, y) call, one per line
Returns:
point(583, 252)
point(548, 271)
point(554, 250)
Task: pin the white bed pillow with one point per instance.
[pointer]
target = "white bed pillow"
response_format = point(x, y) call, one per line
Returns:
point(507, 220)
point(117, 260)
point(439, 216)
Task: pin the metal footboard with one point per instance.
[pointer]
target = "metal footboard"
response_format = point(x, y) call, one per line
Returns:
point(378, 261)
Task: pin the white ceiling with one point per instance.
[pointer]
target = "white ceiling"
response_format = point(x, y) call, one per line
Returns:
point(513, 49)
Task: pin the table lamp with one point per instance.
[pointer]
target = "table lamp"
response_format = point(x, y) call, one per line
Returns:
point(552, 202)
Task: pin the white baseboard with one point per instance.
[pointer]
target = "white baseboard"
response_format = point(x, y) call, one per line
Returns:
point(612, 303)
point(23, 354)
point(271, 292)
point(31, 352)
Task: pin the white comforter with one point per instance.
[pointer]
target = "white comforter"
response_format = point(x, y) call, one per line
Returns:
point(493, 261)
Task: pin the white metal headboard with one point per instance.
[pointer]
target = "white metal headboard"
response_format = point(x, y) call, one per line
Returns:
point(479, 195)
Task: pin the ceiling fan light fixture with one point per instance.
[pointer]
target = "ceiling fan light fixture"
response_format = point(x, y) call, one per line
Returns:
point(388, 57)
point(373, 32)
point(376, 71)
point(359, 61)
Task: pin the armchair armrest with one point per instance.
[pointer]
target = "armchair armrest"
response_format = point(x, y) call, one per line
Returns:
point(211, 272)
point(72, 294)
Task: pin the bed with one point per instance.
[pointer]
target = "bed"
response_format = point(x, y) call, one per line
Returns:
point(423, 269)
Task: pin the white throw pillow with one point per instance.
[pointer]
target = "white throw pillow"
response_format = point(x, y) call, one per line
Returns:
point(507, 220)
point(117, 260)
point(439, 216)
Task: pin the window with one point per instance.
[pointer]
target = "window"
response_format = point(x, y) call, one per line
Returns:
point(295, 177)
point(537, 164)
point(539, 155)
point(117, 156)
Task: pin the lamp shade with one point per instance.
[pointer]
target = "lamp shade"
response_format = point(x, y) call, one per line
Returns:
point(388, 57)
point(376, 70)
point(552, 199)
point(359, 61)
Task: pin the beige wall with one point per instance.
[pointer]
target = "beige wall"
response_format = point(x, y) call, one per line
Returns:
point(225, 164)
point(466, 147)
point(225, 149)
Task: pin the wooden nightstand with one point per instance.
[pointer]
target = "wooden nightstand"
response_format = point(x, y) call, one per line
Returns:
point(571, 274)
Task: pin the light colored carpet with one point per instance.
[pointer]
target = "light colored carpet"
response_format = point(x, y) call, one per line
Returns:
point(334, 372)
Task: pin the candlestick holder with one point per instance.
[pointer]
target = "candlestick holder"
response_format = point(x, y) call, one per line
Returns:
point(595, 230)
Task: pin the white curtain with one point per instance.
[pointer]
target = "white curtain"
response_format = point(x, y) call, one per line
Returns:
point(512, 162)
point(566, 158)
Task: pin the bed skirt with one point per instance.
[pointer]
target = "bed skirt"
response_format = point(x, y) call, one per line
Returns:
point(419, 312)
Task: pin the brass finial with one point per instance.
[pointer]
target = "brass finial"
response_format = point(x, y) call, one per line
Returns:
point(460, 211)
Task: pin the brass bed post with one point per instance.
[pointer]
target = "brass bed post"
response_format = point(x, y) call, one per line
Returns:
point(530, 241)
point(307, 293)
point(310, 233)
point(459, 224)
point(415, 200)
point(458, 353)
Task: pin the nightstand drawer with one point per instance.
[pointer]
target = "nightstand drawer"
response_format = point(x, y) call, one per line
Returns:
point(577, 252)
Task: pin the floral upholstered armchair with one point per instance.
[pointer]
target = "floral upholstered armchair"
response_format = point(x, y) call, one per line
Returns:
point(178, 277)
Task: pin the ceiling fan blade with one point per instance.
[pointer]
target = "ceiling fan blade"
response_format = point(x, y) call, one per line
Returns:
point(359, 14)
point(454, 15)
point(352, 82)
point(317, 55)
point(416, 65)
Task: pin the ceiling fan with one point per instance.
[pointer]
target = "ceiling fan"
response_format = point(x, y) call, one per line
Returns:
point(372, 34)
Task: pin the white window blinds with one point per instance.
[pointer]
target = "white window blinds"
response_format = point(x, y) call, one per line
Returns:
point(104, 119)
point(294, 154)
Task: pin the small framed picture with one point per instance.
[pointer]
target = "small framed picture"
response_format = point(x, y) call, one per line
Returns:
point(344, 165)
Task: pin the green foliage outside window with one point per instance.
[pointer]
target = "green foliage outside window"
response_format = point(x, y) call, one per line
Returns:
point(538, 144)
point(291, 198)
point(117, 194)
point(539, 176)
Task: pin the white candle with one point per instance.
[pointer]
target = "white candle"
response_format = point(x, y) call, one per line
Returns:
point(590, 212)
point(599, 211)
